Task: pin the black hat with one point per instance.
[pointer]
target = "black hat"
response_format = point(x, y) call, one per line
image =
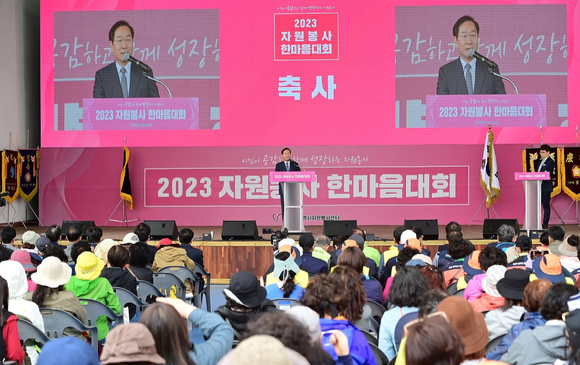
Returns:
point(245, 289)
point(572, 321)
point(513, 284)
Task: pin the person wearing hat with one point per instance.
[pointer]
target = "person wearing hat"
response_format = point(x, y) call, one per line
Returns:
point(50, 278)
point(490, 299)
point(469, 324)
point(170, 254)
point(549, 267)
point(129, 343)
point(285, 269)
point(87, 284)
point(42, 244)
point(290, 246)
point(262, 350)
point(245, 299)
point(23, 257)
point(478, 264)
point(68, 351)
point(103, 248)
point(511, 287)
point(534, 293)
point(311, 264)
point(29, 238)
point(544, 344)
point(129, 239)
point(569, 251)
point(15, 275)
point(573, 334)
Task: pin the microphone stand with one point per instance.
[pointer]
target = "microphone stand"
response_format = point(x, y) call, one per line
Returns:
point(162, 83)
point(491, 71)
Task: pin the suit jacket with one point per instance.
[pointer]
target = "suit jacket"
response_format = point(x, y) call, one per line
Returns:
point(549, 165)
point(193, 253)
point(108, 85)
point(452, 80)
point(281, 166)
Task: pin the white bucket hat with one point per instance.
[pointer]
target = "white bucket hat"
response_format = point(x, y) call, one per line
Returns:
point(52, 273)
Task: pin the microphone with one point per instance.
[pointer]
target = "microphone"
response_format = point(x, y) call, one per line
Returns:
point(143, 66)
point(487, 61)
point(295, 163)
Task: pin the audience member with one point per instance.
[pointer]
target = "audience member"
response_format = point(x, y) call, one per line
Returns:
point(569, 253)
point(263, 350)
point(23, 257)
point(128, 240)
point(459, 249)
point(290, 246)
point(370, 252)
point(409, 285)
point(511, 287)
point(143, 231)
point(245, 299)
point(12, 347)
point(185, 238)
point(56, 251)
point(170, 254)
point(442, 257)
point(115, 273)
point(5, 253)
point(102, 249)
point(393, 251)
point(87, 284)
point(339, 300)
point(311, 264)
point(506, 237)
point(219, 336)
point(354, 258)
point(430, 301)
point(549, 267)
point(522, 249)
point(73, 235)
point(433, 341)
point(28, 240)
point(78, 248)
point(491, 298)
point(433, 275)
point(138, 259)
point(533, 295)
point(573, 335)
point(15, 276)
point(487, 258)
point(68, 351)
point(321, 247)
point(94, 236)
point(285, 269)
point(395, 263)
point(545, 239)
point(547, 343)
point(133, 343)
point(469, 325)
point(556, 236)
point(8, 234)
point(50, 278)
point(54, 233)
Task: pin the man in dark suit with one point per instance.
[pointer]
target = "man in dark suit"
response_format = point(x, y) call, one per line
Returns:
point(546, 165)
point(467, 75)
point(185, 237)
point(121, 79)
point(286, 165)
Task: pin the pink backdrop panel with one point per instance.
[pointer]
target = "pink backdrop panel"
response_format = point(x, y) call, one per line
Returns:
point(373, 184)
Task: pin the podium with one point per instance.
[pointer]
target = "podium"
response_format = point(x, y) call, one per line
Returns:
point(292, 182)
point(533, 197)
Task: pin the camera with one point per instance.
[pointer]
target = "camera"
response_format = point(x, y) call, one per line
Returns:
point(277, 237)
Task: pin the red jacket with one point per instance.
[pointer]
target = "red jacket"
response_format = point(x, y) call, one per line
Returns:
point(486, 303)
point(14, 351)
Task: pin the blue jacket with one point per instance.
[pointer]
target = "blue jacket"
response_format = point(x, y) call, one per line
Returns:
point(360, 350)
point(313, 265)
point(219, 336)
point(531, 321)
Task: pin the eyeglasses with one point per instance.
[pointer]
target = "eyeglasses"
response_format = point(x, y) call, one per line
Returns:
point(436, 316)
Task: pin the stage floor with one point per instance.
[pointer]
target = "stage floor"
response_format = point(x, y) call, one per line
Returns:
point(382, 233)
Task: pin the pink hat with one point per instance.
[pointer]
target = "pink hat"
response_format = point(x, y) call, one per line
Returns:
point(23, 257)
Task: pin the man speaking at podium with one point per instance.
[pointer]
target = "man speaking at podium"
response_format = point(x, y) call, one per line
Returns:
point(287, 164)
point(122, 79)
point(467, 74)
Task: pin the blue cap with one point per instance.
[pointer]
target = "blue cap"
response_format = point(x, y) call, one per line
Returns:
point(68, 351)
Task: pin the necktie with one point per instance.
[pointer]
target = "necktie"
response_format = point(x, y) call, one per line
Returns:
point(468, 79)
point(124, 83)
point(541, 164)
point(287, 166)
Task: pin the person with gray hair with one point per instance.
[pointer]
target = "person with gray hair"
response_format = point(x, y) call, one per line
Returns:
point(321, 246)
point(506, 237)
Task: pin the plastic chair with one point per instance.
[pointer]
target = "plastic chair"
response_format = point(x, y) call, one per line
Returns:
point(380, 356)
point(207, 289)
point(27, 331)
point(491, 345)
point(284, 304)
point(146, 289)
point(183, 273)
point(96, 309)
point(166, 282)
point(126, 297)
point(377, 310)
point(370, 338)
point(56, 320)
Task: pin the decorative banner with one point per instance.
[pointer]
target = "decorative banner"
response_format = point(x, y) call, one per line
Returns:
point(489, 177)
point(531, 161)
point(570, 170)
point(11, 176)
point(126, 193)
point(28, 173)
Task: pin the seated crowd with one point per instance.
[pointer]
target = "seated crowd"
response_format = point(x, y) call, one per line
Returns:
point(346, 302)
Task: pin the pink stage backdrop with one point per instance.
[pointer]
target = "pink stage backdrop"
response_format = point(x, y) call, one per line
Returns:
point(203, 186)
